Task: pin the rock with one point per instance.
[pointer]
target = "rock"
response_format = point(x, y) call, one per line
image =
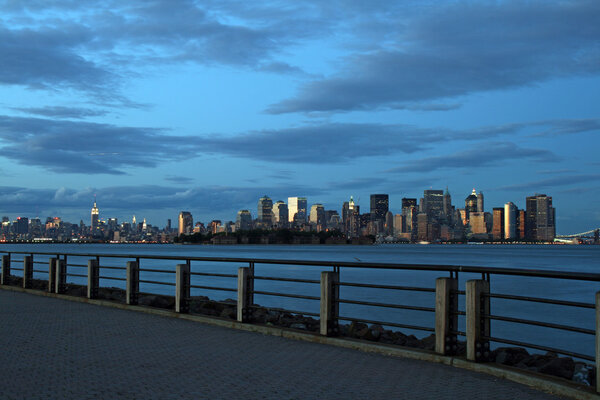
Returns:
point(354, 328)
point(367, 334)
point(298, 326)
point(582, 373)
point(562, 367)
point(229, 312)
point(428, 342)
point(509, 355)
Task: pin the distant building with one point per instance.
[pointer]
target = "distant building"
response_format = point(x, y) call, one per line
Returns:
point(480, 202)
point(317, 216)
point(297, 207)
point(478, 225)
point(433, 204)
point(498, 223)
point(265, 212)
point(540, 218)
point(243, 220)
point(95, 212)
point(186, 223)
point(471, 204)
point(280, 214)
point(379, 206)
point(510, 221)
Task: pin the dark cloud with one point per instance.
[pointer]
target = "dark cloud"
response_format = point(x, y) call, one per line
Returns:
point(179, 179)
point(325, 143)
point(569, 127)
point(554, 182)
point(477, 157)
point(90, 148)
point(459, 48)
point(359, 183)
point(62, 112)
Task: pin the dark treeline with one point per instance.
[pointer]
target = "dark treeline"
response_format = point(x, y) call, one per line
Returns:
point(261, 236)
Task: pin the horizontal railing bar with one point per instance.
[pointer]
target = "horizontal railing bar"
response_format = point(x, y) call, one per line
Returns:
point(213, 288)
point(16, 269)
point(399, 306)
point(41, 271)
point(111, 267)
point(459, 292)
point(78, 275)
point(539, 323)
point(296, 296)
point(287, 310)
point(211, 274)
point(77, 265)
point(557, 274)
point(415, 327)
point(164, 271)
point(458, 313)
point(538, 347)
point(17, 261)
point(113, 278)
point(269, 278)
point(157, 283)
point(368, 285)
point(541, 300)
point(40, 262)
point(459, 333)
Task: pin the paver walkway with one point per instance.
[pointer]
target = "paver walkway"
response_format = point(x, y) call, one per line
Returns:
point(58, 349)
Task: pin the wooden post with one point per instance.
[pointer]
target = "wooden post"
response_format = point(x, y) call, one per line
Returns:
point(330, 293)
point(27, 271)
point(133, 282)
point(478, 326)
point(52, 275)
point(93, 279)
point(5, 269)
point(446, 319)
point(182, 288)
point(61, 276)
point(597, 342)
point(244, 295)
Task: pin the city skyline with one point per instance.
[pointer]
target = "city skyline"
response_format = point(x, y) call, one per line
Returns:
point(157, 107)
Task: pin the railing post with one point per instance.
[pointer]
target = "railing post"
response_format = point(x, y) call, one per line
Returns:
point(446, 319)
point(93, 279)
point(133, 283)
point(244, 295)
point(5, 269)
point(330, 292)
point(182, 288)
point(597, 342)
point(52, 275)
point(27, 271)
point(478, 327)
point(61, 276)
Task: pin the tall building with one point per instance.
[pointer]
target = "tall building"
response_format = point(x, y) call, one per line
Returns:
point(480, 202)
point(94, 224)
point(540, 218)
point(447, 206)
point(433, 204)
point(471, 203)
point(498, 223)
point(186, 223)
point(379, 206)
point(317, 215)
point(510, 221)
point(243, 221)
point(22, 226)
point(265, 211)
point(297, 209)
point(280, 214)
point(478, 224)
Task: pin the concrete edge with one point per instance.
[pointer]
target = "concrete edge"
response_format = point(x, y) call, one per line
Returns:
point(544, 383)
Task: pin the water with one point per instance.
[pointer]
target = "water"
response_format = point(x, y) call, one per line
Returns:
point(544, 257)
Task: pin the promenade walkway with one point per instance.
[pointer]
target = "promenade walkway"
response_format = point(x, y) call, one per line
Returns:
point(58, 349)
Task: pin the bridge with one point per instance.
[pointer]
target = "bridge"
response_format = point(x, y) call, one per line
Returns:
point(591, 234)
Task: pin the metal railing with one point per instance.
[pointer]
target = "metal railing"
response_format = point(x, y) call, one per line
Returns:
point(187, 274)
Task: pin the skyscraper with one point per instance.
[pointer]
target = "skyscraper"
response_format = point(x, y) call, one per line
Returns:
point(433, 204)
point(265, 211)
point(243, 221)
point(317, 215)
point(379, 206)
point(498, 223)
point(186, 223)
point(297, 209)
point(280, 214)
point(510, 221)
point(480, 202)
point(540, 218)
point(471, 203)
point(94, 224)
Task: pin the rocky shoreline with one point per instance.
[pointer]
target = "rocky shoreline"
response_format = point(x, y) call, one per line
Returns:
point(518, 357)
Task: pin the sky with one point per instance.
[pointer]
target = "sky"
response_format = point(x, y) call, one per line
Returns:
point(159, 106)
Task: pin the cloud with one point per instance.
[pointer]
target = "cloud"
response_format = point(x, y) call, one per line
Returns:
point(179, 179)
point(477, 157)
point(358, 183)
point(498, 45)
point(554, 182)
point(62, 112)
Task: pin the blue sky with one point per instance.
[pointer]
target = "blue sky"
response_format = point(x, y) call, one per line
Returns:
point(163, 106)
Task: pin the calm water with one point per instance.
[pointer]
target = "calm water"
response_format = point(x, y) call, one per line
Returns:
point(545, 257)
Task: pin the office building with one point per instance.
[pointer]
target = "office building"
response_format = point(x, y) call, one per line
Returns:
point(510, 221)
point(297, 207)
point(243, 221)
point(540, 218)
point(280, 214)
point(471, 204)
point(498, 223)
point(95, 213)
point(379, 206)
point(265, 212)
point(433, 204)
point(186, 223)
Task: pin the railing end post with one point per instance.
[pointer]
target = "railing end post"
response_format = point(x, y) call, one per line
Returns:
point(182, 288)
point(446, 319)
point(329, 310)
point(133, 283)
point(478, 327)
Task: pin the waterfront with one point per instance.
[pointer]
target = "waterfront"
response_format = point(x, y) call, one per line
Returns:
point(567, 258)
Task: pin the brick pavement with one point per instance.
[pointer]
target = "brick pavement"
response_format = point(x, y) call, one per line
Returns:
point(58, 349)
